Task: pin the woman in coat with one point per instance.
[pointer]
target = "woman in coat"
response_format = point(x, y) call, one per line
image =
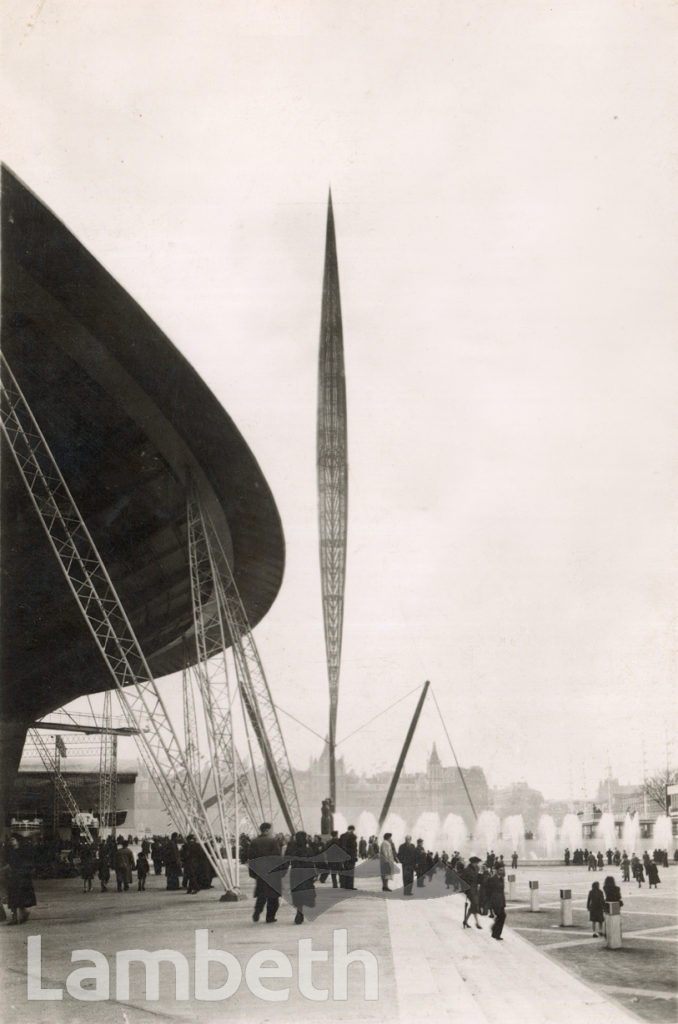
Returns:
point(612, 891)
point(302, 880)
point(595, 904)
point(387, 861)
point(652, 874)
point(20, 891)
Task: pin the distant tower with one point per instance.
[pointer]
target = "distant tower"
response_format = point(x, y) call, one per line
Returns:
point(332, 477)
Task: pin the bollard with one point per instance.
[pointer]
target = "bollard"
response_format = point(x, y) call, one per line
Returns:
point(565, 908)
point(534, 896)
point(511, 879)
point(613, 929)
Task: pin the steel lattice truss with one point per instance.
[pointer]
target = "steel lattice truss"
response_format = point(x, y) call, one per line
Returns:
point(332, 467)
point(108, 768)
point(230, 620)
point(191, 742)
point(62, 786)
point(233, 791)
point(103, 612)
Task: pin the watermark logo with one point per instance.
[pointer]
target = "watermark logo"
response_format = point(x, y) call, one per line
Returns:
point(216, 975)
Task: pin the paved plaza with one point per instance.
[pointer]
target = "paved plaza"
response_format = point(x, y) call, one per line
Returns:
point(412, 961)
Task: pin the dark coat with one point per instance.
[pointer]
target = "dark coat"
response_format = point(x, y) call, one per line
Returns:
point(349, 843)
point(496, 900)
point(470, 876)
point(595, 904)
point(612, 894)
point(88, 863)
point(20, 891)
point(407, 855)
point(124, 863)
point(171, 857)
point(265, 849)
point(302, 866)
point(652, 873)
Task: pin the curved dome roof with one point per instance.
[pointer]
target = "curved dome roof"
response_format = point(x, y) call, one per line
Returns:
point(126, 417)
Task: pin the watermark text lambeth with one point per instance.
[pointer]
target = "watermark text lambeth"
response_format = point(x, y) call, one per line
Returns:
point(93, 983)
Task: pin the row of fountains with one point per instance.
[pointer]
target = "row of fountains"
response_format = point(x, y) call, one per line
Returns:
point(507, 836)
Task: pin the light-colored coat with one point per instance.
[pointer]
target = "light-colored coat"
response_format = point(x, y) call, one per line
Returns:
point(386, 859)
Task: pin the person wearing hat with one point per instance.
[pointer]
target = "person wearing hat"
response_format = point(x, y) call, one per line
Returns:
point(421, 864)
point(124, 866)
point(470, 876)
point(192, 861)
point(496, 900)
point(301, 863)
point(265, 850)
point(407, 855)
point(349, 844)
point(172, 861)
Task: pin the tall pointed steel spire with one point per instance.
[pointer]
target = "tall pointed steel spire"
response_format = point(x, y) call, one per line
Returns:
point(332, 476)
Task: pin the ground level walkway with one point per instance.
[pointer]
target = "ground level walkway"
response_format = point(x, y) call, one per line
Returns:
point(363, 958)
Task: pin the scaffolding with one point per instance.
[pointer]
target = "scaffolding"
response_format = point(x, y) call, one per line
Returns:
point(107, 621)
point(220, 622)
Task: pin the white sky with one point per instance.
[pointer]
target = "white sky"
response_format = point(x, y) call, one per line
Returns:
point(504, 184)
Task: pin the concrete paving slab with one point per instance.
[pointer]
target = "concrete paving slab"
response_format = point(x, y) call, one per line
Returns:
point(411, 955)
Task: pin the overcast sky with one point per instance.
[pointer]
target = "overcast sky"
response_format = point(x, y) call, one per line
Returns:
point(504, 181)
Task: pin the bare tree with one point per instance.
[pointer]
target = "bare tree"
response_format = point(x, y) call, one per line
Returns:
point(655, 786)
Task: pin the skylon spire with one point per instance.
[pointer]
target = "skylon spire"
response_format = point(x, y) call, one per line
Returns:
point(332, 469)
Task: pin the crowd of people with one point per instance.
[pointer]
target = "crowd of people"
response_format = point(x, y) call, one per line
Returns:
point(309, 859)
point(638, 868)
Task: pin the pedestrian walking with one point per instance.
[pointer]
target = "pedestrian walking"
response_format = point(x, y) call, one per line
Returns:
point(142, 870)
point(87, 867)
point(264, 858)
point(595, 904)
point(653, 879)
point(470, 876)
point(302, 877)
point(496, 902)
point(124, 866)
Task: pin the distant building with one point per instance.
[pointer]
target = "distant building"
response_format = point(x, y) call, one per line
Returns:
point(519, 798)
point(439, 789)
point(137, 801)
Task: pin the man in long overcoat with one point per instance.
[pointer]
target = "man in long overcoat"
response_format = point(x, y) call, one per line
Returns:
point(124, 865)
point(421, 863)
point(407, 855)
point(349, 843)
point(265, 850)
point(172, 861)
point(496, 901)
